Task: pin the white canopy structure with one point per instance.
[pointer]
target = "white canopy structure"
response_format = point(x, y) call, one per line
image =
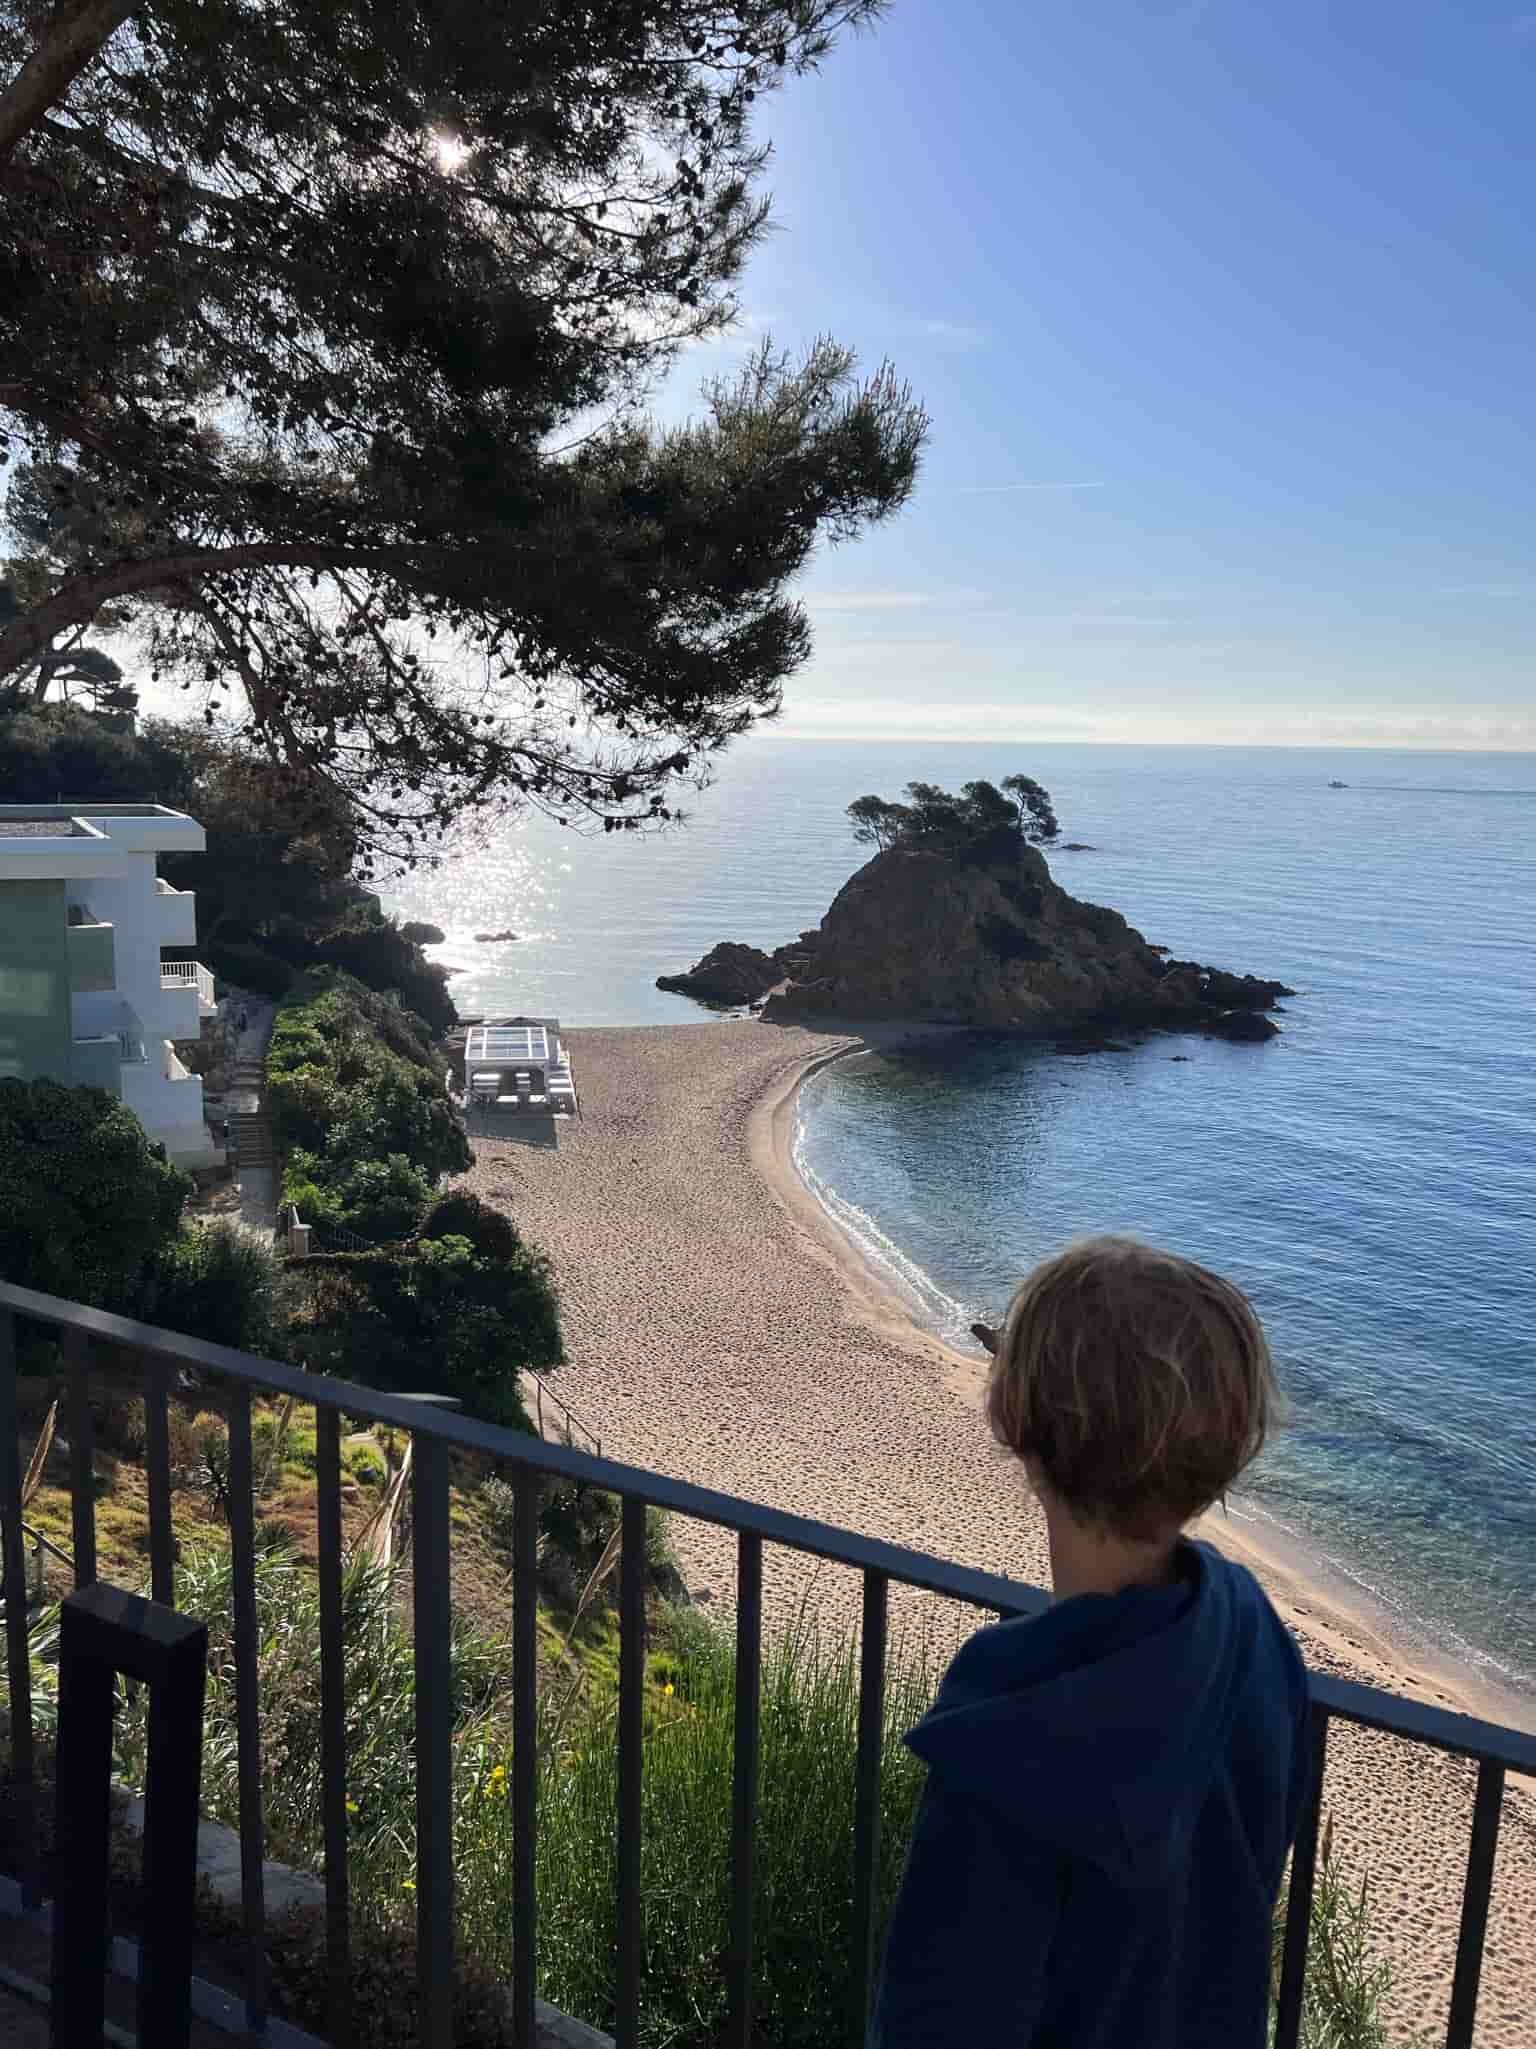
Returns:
point(519, 1063)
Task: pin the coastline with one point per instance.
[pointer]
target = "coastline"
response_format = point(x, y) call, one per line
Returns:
point(720, 1327)
point(1350, 1627)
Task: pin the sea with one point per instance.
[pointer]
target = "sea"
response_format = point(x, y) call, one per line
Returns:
point(1369, 1176)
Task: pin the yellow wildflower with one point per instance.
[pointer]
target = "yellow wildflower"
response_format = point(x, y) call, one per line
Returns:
point(409, 1886)
point(669, 1689)
point(351, 1807)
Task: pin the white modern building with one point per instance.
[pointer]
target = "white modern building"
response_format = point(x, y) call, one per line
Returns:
point(84, 994)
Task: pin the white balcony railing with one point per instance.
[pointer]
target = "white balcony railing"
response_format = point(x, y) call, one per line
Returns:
point(188, 974)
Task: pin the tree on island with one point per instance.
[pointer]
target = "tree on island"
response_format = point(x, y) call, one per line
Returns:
point(326, 333)
point(939, 820)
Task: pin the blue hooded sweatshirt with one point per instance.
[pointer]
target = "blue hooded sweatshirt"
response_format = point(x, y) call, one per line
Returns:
point(1112, 1790)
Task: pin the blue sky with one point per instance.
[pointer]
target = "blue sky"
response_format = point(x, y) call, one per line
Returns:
point(1224, 313)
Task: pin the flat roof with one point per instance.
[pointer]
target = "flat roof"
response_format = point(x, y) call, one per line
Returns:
point(534, 1042)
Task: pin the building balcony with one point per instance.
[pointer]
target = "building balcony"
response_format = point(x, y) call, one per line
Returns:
point(92, 953)
point(175, 915)
point(96, 1062)
point(192, 976)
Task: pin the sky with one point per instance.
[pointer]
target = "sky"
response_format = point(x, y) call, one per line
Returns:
point(1223, 311)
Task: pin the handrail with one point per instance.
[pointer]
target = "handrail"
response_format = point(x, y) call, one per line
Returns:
point(572, 1420)
point(433, 1432)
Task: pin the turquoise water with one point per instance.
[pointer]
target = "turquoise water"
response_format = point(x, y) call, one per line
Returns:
point(1370, 1177)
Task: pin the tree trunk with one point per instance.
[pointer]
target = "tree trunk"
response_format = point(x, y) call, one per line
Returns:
point(74, 35)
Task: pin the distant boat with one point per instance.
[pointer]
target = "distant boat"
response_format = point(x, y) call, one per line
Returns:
point(1338, 786)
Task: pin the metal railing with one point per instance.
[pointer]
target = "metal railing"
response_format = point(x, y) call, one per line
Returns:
point(188, 974)
point(434, 1433)
point(572, 1430)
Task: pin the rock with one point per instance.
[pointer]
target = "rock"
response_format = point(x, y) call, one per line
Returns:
point(985, 939)
point(492, 938)
point(1234, 992)
point(728, 974)
point(1078, 847)
point(421, 934)
point(1242, 1024)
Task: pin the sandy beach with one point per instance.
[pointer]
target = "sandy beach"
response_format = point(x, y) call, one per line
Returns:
point(723, 1329)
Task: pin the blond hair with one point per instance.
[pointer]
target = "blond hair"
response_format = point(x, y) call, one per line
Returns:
point(1137, 1383)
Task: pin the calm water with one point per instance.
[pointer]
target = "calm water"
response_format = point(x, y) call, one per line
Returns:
point(1370, 1177)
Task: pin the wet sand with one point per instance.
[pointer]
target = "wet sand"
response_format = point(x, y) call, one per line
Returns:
point(721, 1328)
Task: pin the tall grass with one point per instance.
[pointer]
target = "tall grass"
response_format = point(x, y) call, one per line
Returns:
point(1345, 1985)
point(805, 1813)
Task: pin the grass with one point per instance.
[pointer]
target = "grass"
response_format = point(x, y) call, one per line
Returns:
point(1345, 1985)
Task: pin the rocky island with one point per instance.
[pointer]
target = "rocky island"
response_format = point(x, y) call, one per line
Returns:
point(968, 927)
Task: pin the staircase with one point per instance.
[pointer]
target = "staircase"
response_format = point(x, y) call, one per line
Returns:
point(251, 1131)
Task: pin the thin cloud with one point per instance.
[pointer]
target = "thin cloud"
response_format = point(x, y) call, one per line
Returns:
point(887, 601)
point(985, 490)
point(880, 718)
point(1488, 590)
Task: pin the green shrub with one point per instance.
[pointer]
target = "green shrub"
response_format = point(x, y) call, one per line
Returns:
point(435, 1317)
point(86, 1202)
point(458, 1214)
point(352, 1078)
point(381, 1199)
point(388, 960)
point(216, 1281)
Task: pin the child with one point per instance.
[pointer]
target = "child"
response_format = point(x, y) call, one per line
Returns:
point(1113, 1785)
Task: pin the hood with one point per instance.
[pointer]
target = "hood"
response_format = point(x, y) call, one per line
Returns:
point(1096, 1729)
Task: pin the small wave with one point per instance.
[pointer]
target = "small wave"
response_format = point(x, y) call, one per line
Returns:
point(1411, 1626)
point(921, 1293)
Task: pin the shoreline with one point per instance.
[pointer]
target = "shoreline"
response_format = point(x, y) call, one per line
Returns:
point(1315, 1598)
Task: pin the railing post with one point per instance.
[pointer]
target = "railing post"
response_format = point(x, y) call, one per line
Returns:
point(748, 1707)
point(525, 1757)
point(866, 1806)
point(631, 1931)
point(18, 1649)
point(434, 1739)
point(103, 1631)
point(1298, 1914)
point(82, 1457)
point(333, 1730)
point(1486, 1809)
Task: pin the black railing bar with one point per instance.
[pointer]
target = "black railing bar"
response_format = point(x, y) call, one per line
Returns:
point(1442, 1728)
point(18, 1649)
point(866, 1804)
point(333, 1730)
point(430, 1564)
point(1464, 1735)
point(82, 1458)
point(157, 1460)
point(525, 1759)
point(631, 1929)
point(1474, 1905)
point(748, 1719)
point(247, 1649)
point(1298, 1910)
point(541, 1455)
point(46, 1543)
